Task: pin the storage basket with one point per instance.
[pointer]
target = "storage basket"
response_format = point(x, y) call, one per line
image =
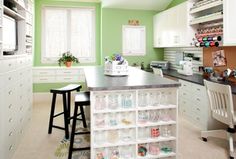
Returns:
point(114, 68)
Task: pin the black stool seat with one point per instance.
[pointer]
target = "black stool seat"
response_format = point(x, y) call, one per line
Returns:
point(66, 97)
point(81, 99)
point(68, 88)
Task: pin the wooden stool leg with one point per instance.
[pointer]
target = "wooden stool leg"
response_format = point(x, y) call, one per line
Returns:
point(52, 113)
point(68, 105)
point(72, 137)
point(65, 116)
point(83, 116)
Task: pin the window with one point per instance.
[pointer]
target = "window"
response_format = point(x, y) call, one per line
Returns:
point(68, 29)
point(134, 40)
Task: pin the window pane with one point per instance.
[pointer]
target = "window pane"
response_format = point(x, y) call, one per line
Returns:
point(55, 32)
point(82, 32)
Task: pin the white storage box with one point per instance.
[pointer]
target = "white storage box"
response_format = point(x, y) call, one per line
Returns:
point(115, 69)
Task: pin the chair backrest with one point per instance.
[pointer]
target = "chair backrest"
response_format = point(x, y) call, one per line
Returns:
point(157, 71)
point(221, 102)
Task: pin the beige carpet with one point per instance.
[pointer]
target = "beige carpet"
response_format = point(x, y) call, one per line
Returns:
point(37, 144)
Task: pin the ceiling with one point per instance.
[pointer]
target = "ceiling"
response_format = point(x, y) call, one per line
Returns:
point(157, 5)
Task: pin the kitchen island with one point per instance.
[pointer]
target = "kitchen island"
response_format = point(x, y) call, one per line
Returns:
point(132, 116)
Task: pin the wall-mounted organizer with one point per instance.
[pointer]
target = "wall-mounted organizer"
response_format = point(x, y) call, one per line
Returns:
point(207, 20)
point(134, 124)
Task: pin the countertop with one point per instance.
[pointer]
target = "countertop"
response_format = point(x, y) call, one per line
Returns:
point(137, 79)
point(196, 78)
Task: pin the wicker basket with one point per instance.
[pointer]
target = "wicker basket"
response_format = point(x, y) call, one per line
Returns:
point(115, 69)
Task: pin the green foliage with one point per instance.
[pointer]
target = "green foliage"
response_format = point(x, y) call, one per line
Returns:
point(67, 57)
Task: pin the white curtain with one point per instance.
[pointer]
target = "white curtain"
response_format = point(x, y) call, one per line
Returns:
point(68, 29)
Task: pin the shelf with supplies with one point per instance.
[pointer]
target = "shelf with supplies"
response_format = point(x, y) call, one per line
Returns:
point(20, 4)
point(207, 18)
point(133, 124)
point(13, 14)
point(208, 5)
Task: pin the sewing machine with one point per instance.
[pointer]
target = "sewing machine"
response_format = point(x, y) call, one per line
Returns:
point(187, 68)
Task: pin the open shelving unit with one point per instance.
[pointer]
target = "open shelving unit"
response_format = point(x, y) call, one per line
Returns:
point(207, 21)
point(122, 121)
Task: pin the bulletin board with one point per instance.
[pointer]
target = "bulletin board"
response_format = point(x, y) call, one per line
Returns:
point(230, 55)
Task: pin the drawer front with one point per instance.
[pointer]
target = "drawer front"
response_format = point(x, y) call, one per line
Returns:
point(184, 94)
point(185, 85)
point(67, 79)
point(66, 72)
point(44, 79)
point(8, 65)
point(44, 72)
point(199, 90)
point(10, 78)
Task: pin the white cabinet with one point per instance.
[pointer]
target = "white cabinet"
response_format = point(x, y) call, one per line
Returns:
point(15, 102)
point(134, 124)
point(171, 28)
point(58, 74)
point(194, 105)
point(229, 22)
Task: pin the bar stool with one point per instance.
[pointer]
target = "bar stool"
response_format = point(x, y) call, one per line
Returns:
point(81, 99)
point(66, 107)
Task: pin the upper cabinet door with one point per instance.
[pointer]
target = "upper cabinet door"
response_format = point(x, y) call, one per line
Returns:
point(229, 22)
point(171, 27)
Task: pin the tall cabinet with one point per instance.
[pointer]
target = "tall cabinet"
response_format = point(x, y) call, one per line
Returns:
point(15, 75)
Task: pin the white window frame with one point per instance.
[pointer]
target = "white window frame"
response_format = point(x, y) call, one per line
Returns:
point(128, 51)
point(51, 60)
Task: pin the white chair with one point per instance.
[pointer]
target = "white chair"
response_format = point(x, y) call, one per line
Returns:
point(221, 103)
point(157, 71)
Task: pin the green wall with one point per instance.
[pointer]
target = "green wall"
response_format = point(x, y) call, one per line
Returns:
point(38, 6)
point(111, 34)
point(175, 2)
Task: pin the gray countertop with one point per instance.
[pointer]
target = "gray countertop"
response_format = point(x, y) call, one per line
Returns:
point(137, 79)
point(196, 78)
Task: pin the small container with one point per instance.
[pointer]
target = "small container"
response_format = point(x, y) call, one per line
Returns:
point(142, 117)
point(100, 102)
point(142, 99)
point(113, 101)
point(154, 149)
point(142, 150)
point(155, 132)
point(113, 136)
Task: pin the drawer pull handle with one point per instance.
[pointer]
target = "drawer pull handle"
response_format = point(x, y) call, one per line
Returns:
point(10, 92)
point(10, 106)
point(198, 89)
point(10, 120)
point(198, 109)
point(9, 78)
point(10, 148)
point(198, 99)
point(198, 118)
point(9, 64)
point(10, 134)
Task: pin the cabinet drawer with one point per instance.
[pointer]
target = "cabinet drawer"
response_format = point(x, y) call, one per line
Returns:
point(67, 78)
point(10, 78)
point(199, 90)
point(7, 65)
point(44, 73)
point(46, 79)
point(65, 72)
point(185, 85)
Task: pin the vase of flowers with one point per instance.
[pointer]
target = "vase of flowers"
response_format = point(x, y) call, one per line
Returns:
point(67, 59)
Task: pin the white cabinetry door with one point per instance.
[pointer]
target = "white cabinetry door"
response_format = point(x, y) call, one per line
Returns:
point(171, 27)
point(229, 22)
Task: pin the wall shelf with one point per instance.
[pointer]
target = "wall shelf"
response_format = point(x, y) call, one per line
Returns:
point(207, 18)
point(205, 7)
point(13, 14)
